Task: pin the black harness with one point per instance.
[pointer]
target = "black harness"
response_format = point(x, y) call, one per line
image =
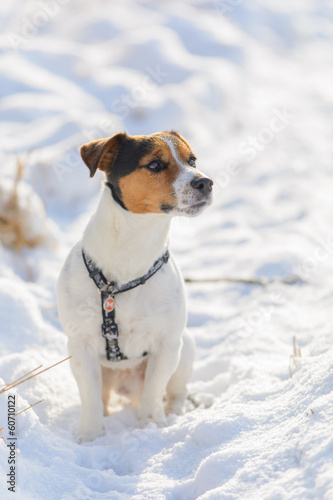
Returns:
point(108, 290)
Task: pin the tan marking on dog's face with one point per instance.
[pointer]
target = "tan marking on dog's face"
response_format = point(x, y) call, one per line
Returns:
point(145, 191)
point(150, 173)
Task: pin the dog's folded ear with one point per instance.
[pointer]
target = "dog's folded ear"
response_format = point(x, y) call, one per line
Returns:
point(101, 153)
point(172, 132)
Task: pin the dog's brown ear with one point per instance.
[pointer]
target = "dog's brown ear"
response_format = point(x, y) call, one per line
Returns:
point(101, 153)
point(180, 137)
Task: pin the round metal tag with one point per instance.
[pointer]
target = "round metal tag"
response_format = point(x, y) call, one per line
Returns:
point(109, 304)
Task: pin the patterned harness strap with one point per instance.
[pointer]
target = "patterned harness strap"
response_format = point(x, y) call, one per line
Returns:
point(108, 290)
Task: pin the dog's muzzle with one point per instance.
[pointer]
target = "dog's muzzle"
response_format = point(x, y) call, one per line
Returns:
point(203, 184)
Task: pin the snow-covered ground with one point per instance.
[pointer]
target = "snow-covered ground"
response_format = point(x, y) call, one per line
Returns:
point(249, 84)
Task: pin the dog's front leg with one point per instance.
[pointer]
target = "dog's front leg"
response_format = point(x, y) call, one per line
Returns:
point(86, 369)
point(160, 368)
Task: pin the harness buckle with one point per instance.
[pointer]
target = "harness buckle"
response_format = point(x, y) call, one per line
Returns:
point(112, 287)
point(109, 287)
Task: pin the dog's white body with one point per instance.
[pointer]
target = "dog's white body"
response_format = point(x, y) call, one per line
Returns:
point(150, 318)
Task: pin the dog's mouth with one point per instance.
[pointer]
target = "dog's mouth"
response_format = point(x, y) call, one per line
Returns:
point(196, 208)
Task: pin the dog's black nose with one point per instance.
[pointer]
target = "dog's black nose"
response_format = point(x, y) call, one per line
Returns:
point(204, 184)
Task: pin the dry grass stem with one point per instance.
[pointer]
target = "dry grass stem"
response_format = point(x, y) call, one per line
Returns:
point(289, 280)
point(293, 357)
point(7, 386)
point(15, 384)
point(22, 411)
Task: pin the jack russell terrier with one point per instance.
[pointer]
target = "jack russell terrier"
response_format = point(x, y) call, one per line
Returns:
point(121, 297)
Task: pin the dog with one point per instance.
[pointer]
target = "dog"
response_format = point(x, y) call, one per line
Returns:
point(135, 343)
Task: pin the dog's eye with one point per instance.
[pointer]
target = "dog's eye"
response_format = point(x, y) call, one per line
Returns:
point(191, 161)
point(155, 166)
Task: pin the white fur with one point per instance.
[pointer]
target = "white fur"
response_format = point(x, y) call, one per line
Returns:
point(151, 317)
point(186, 197)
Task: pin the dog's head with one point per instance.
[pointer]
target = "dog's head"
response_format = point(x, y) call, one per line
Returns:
point(150, 173)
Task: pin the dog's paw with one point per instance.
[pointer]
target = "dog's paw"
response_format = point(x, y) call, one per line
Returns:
point(175, 408)
point(157, 416)
point(149, 420)
point(83, 435)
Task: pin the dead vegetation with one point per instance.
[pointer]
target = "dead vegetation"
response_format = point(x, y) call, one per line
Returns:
point(25, 378)
point(294, 357)
point(12, 223)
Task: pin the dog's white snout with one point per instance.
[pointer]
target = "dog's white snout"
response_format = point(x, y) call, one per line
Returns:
point(192, 188)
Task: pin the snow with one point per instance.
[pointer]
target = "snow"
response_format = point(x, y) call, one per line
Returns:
point(249, 86)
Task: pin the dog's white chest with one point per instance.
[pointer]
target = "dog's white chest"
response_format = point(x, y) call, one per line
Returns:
point(149, 315)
